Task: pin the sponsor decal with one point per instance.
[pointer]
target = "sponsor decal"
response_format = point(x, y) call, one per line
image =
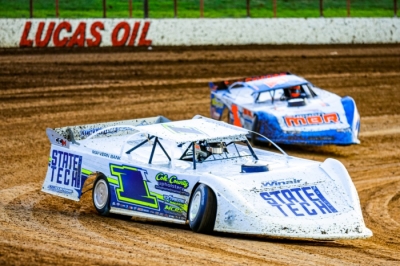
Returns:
point(64, 34)
point(60, 189)
point(171, 184)
point(61, 142)
point(65, 169)
point(132, 186)
point(107, 155)
point(215, 102)
point(173, 200)
point(280, 182)
point(131, 192)
point(172, 209)
point(300, 201)
point(88, 132)
point(311, 119)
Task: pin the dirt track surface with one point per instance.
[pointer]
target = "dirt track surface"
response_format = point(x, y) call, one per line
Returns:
point(54, 88)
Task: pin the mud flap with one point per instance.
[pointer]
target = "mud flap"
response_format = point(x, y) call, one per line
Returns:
point(65, 176)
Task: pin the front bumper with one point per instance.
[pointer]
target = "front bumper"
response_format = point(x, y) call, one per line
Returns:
point(325, 229)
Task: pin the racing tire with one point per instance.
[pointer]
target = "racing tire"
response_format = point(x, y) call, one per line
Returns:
point(101, 195)
point(203, 210)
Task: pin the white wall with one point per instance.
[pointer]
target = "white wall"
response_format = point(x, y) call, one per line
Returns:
point(99, 32)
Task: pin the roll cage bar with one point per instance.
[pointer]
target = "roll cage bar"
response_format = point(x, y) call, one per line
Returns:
point(156, 141)
point(192, 146)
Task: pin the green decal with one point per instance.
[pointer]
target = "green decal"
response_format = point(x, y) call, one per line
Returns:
point(86, 171)
point(173, 180)
point(132, 187)
point(112, 181)
point(172, 208)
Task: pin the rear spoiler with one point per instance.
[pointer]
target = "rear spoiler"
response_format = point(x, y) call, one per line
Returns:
point(63, 136)
point(224, 85)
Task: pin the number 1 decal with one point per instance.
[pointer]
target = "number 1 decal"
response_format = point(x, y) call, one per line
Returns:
point(132, 186)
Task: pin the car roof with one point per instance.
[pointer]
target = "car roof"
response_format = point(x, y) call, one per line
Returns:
point(197, 129)
point(271, 83)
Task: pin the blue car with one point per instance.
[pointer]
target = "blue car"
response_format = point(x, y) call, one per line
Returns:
point(287, 109)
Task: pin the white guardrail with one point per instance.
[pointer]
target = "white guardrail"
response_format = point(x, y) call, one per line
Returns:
point(186, 32)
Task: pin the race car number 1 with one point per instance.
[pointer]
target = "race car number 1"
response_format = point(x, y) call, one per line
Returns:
point(132, 187)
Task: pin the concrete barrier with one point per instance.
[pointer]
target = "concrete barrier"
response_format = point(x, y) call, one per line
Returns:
point(186, 32)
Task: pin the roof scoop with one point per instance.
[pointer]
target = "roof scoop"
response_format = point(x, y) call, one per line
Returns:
point(254, 167)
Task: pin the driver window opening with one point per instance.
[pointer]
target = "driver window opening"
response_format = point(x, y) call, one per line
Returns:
point(203, 151)
point(270, 96)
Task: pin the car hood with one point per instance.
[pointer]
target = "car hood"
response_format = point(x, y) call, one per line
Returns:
point(312, 200)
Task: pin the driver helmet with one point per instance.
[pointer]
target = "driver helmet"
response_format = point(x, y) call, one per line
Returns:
point(295, 91)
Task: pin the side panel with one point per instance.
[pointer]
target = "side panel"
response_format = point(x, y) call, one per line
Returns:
point(148, 192)
point(242, 117)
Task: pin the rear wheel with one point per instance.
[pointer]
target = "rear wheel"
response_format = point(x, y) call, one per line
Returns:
point(203, 210)
point(101, 195)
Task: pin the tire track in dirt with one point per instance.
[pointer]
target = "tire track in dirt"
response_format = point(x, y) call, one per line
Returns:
point(55, 223)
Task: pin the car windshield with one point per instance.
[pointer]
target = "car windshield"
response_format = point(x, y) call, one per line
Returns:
point(274, 96)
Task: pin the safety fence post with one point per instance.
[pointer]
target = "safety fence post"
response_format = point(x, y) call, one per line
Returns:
point(202, 8)
point(175, 8)
point(395, 7)
point(104, 9)
point(31, 8)
point(321, 8)
point(248, 8)
point(348, 8)
point(57, 14)
point(130, 8)
point(274, 7)
point(146, 8)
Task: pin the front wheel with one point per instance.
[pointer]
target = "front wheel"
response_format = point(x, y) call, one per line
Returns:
point(101, 195)
point(203, 210)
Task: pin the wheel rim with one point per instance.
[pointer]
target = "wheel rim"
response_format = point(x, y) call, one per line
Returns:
point(101, 194)
point(195, 206)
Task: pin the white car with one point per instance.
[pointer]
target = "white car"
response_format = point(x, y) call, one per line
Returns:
point(206, 173)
